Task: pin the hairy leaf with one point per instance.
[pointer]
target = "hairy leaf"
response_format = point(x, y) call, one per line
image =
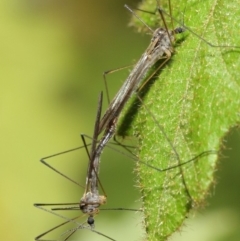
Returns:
point(195, 99)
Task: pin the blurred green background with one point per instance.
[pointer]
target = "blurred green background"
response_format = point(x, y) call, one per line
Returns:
point(53, 54)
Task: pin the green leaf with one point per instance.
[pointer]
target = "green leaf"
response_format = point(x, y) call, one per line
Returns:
point(195, 98)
